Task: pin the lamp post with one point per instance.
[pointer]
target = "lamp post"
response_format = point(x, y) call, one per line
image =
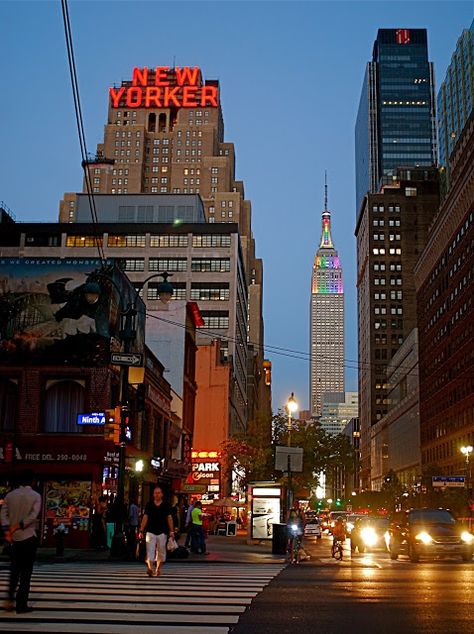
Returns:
point(466, 451)
point(128, 333)
point(291, 407)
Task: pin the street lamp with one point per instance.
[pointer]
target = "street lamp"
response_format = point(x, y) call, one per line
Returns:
point(128, 333)
point(291, 407)
point(466, 451)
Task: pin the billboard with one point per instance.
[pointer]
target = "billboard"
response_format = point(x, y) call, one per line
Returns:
point(63, 311)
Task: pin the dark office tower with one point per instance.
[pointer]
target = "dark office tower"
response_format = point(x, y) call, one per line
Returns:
point(396, 124)
point(456, 96)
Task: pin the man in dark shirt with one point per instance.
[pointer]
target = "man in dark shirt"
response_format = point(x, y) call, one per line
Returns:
point(158, 522)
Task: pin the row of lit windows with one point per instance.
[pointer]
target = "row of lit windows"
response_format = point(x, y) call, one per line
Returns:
point(382, 310)
point(393, 266)
point(394, 281)
point(393, 295)
point(391, 236)
point(393, 222)
point(127, 134)
point(213, 240)
point(390, 208)
point(391, 251)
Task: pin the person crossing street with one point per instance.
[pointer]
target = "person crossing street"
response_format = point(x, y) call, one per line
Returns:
point(158, 523)
point(19, 512)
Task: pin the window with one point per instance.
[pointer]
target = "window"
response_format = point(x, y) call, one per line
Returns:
point(63, 400)
point(8, 404)
point(133, 264)
point(207, 265)
point(218, 319)
point(211, 241)
point(167, 264)
point(179, 290)
point(169, 241)
point(127, 241)
point(214, 170)
point(83, 241)
point(410, 191)
point(209, 291)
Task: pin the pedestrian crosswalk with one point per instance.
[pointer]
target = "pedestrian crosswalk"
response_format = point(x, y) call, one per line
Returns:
point(188, 598)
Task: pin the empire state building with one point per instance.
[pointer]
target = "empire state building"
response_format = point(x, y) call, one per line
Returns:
point(326, 319)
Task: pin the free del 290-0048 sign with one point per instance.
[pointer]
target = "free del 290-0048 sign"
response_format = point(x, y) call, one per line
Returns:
point(163, 87)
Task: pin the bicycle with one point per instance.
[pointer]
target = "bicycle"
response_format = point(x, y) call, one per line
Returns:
point(337, 550)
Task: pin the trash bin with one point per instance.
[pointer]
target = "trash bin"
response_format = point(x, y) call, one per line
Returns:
point(279, 539)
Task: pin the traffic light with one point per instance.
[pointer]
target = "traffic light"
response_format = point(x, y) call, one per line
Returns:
point(338, 502)
point(112, 425)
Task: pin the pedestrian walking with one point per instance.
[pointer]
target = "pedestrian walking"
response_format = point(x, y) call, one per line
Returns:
point(98, 535)
point(132, 527)
point(158, 523)
point(198, 542)
point(189, 524)
point(19, 513)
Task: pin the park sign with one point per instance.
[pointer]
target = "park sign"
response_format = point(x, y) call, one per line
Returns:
point(165, 87)
point(448, 481)
point(91, 418)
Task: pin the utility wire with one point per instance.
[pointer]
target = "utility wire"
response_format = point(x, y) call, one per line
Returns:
point(80, 124)
point(284, 352)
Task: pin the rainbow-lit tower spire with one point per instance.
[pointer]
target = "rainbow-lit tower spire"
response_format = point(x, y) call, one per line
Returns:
point(326, 318)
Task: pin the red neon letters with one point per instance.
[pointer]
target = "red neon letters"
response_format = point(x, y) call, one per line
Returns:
point(164, 88)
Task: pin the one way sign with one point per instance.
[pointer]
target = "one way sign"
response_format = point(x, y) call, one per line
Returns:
point(134, 359)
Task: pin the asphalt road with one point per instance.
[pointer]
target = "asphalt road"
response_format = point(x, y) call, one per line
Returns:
point(364, 594)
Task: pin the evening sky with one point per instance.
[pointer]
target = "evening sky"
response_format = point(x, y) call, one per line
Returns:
point(290, 73)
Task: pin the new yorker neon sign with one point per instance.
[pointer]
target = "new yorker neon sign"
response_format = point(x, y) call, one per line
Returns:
point(163, 87)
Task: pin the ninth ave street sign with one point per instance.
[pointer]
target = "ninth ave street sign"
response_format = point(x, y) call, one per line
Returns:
point(133, 359)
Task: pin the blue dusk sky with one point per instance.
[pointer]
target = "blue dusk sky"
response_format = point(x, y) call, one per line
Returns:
point(290, 73)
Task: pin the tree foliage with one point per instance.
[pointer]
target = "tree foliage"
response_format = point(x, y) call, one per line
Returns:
point(252, 453)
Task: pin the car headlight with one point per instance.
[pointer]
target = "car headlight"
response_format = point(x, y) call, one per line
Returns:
point(369, 536)
point(294, 527)
point(467, 537)
point(424, 537)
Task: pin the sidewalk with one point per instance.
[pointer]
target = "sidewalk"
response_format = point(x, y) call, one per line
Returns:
point(222, 550)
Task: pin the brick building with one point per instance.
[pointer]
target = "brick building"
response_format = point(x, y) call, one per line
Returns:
point(445, 281)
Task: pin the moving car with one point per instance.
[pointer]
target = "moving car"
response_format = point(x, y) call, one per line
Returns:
point(369, 533)
point(312, 527)
point(351, 520)
point(429, 532)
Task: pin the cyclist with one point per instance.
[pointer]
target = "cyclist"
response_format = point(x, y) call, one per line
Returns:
point(338, 532)
point(295, 528)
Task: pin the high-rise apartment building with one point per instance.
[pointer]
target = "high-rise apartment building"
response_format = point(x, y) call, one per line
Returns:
point(391, 233)
point(396, 118)
point(326, 319)
point(456, 95)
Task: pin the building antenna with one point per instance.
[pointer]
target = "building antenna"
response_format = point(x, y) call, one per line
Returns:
point(325, 190)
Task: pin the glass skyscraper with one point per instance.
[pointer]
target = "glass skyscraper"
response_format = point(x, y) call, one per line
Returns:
point(326, 320)
point(456, 95)
point(396, 124)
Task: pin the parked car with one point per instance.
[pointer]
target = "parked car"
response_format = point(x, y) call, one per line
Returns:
point(312, 527)
point(429, 532)
point(369, 533)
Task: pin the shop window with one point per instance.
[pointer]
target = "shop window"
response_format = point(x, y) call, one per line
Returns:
point(8, 404)
point(63, 401)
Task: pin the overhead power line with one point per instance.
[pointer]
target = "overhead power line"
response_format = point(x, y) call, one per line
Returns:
point(80, 124)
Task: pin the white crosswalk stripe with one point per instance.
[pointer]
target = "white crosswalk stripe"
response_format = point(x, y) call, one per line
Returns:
point(111, 598)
